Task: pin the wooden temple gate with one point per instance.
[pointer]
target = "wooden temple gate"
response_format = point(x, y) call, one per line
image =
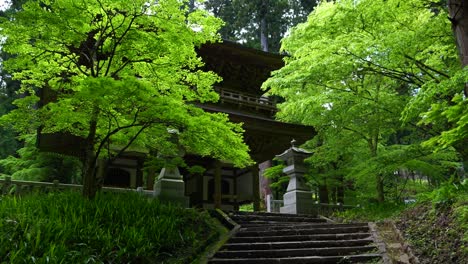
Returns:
point(222, 186)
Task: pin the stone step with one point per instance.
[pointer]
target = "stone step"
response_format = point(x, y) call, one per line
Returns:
point(270, 214)
point(272, 223)
point(349, 236)
point(273, 227)
point(308, 231)
point(282, 238)
point(297, 252)
point(277, 218)
point(362, 258)
point(296, 244)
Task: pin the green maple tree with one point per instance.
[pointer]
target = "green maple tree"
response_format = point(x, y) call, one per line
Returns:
point(120, 72)
point(364, 72)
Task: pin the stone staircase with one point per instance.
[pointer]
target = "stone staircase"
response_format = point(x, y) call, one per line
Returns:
point(283, 238)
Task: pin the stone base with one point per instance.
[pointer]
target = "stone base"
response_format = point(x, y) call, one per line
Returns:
point(171, 191)
point(298, 202)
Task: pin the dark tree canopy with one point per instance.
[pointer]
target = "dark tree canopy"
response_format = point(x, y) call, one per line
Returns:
point(259, 23)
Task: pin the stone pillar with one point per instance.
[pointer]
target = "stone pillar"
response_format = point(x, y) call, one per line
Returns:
point(298, 197)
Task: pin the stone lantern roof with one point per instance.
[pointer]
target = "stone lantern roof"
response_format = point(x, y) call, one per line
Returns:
point(294, 154)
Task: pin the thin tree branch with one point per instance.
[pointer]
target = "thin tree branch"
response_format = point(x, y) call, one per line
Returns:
point(421, 65)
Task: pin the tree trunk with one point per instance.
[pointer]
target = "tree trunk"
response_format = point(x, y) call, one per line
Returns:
point(323, 194)
point(191, 5)
point(458, 12)
point(89, 166)
point(333, 195)
point(373, 144)
point(340, 190)
point(263, 25)
point(380, 188)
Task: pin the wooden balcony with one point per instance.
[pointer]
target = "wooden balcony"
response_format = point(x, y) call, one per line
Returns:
point(241, 99)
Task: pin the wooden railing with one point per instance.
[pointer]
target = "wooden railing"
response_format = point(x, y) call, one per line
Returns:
point(251, 100)
point(17, 187)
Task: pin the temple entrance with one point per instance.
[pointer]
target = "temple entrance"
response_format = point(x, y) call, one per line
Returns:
point(225, 189)
point(117, 178)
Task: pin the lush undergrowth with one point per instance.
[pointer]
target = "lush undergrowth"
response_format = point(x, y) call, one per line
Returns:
point(437, 226)
point(112, 228)
point(370, 212)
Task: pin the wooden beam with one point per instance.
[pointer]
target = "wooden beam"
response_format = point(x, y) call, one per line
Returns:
point(139, 173)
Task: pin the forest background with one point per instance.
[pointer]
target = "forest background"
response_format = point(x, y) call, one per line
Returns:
point(381, 82)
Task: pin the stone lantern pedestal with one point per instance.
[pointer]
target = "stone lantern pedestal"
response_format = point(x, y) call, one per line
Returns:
point(170, 187)
point(298, 197)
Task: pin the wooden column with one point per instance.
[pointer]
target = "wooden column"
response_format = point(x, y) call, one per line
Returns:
point(199, 193)
point(150, 179)
point(139, 173)
point(234, 189)
point(217, 185)
point(255, 187)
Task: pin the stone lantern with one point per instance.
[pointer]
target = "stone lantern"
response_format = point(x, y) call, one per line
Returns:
point(298, 197)
point(170, 186)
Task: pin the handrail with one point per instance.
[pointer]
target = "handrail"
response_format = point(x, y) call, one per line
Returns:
point(9, 186)
point(259, 102)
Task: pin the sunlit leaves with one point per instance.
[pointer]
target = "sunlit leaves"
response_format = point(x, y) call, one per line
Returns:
point(129, 66)
point(353, 67)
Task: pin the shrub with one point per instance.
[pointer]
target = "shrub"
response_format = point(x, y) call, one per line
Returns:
point(112, 228)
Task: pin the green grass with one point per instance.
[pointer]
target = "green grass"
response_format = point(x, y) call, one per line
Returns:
point(112, 228)
point(370, 212)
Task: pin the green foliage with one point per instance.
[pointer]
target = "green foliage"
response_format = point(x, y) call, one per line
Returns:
point(118, 73)
point(449, 208)
point(8, 88)
point(113, 228)
point(437, 225)
point(442, 103)
point(246, 207)
point(397, 163)
point(358, 71)
point(33, 165)
point(278, 180)
point(371, 212)
point(447, 194)
point(196, 170)
point(460, 212)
